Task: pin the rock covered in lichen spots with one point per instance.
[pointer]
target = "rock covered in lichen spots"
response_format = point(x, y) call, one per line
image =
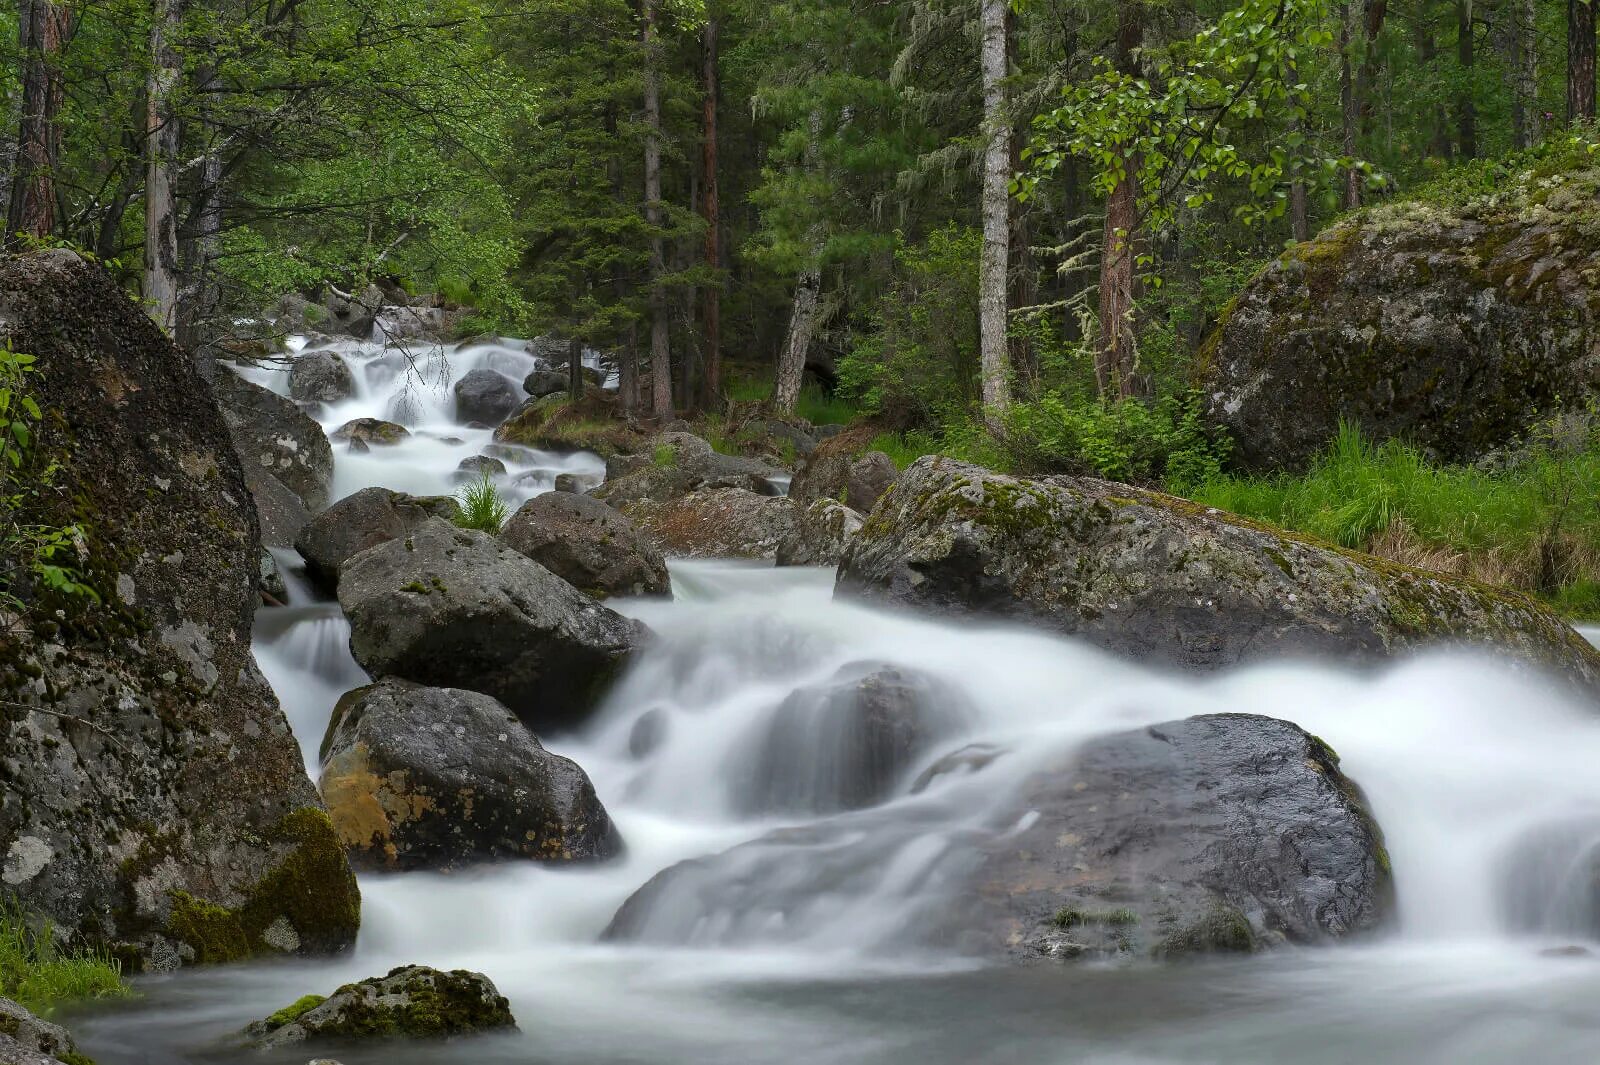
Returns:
point(455, 608)
point(1450, 326)
point(720, 523)
point(587, 544)
point(28, 1040)
point(822, 533)
point(154, 801)
point(411, 1002)
point(360, 521)
point(1165, 580)
point(275, 437)
point(436, 778)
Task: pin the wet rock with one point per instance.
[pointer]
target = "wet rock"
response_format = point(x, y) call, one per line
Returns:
point(321, 377)
point(155, 802)
point(455, 608)
point(369, 433)
point(28, 1040)
point(1220, 834)
point(282, 513)
point(393, 324)
point(480, 466)
point(648, 733)
point(486, 397)
point(577, 482)
point(357, 522)
point(1165, 580)
point(411, 1002)
point(822, 533)
point(542, 383)
point(587, 544)
point(847, 743)
point(274, 436)
point(720, 523)
point(1451, 326)
point(438, 778)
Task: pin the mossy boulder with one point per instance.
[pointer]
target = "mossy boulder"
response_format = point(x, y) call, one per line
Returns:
point(718, 523)
point(27, 1040)
point(438, 778)
point(152, 799)
point(1165, 580)
point(411, 1002)
point(363, 434)
point(454, 608)
point(822, 534)
point(1451, 325)
point(595, 423)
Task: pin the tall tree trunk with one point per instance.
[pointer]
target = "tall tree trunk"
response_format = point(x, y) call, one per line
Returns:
point(1466, 109)
point(1347, 108)
point(1116, 355)
point(43, 29)
point(1524, 74)
point(1373, 14)
point(660, 337)
point(1580, 60)
point(200, 297)
point(161, 158)
point(1299, 210)
point(574, 369)
point(712, 207)
point(992, 282)
point(802, 327)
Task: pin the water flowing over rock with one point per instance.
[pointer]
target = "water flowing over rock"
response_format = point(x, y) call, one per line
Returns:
point(360, 521)
point(1550, 881)
point(485, 396)
point(1165, 580)
point(436, 778)
point(455, 608)
point(274, 436)
point(321, 377)
point(1223, 833)
point(411, 1002)
point(1453, 327)
point(154, 800)
point(587, 544)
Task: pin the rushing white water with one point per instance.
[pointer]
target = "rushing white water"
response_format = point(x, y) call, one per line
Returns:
point(1483, 781)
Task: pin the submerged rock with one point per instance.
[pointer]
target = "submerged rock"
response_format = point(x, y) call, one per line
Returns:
point(154, 801)
point(321, 377)
point(476, 467)
point(436, 778)
point(1549, 881)
point(1225, 833)
point(1165, 580)
point(720, 523)
point(1451, 326)
point(587, 544)
point(455, 608)
point(28, 1040)
point(274, 436)
point(360, 521)
point(411, 1002)
point(485, 396)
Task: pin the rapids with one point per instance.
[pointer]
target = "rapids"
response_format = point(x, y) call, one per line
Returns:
point(1483, 781)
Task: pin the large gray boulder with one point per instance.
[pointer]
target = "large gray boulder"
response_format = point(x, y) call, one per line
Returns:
point(485, 396)
point(1165, 580)
point(438, 778)
point(542, 383)
point(455, 608)
point(321, 377)
point(587, 544)
point(360, 521)
point(411, 1002)
point(282, 513)
point(1227, 833)
point(274, 436)
point(1450, 326)
point(153, 800)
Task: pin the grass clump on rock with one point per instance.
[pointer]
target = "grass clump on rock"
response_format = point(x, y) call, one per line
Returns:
point(39, 973)
point(482, 507)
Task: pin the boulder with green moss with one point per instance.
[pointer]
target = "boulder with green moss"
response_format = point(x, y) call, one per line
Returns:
point(152, 799)
point(1451, 324)
point(1165, 580)
point(28, 1040)
point(822, 533)
point(411, 1002)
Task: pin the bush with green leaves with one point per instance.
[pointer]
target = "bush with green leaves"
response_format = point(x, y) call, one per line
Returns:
point(480, 506)
point(1144, 443)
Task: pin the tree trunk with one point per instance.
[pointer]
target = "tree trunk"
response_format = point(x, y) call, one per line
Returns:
point(802, 326)
point(1347, 109)
point(1580, 60)
point(1299, 210)
point(161, 157)
point(575, 369)
point(200, 297)
point(711, 383)
point(1116, 355)
point(1525, 75)
point(1466, 109)
point(1373, 14)
point(43, 29)
point(992, 270)
point(660, 349)
point(1022, 267)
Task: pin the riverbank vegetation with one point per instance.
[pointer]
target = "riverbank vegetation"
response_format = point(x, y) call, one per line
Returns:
point(41, 974)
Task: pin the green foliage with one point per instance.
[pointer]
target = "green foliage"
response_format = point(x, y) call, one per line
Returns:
point(665, 456)
point(47, 555)
point(1122, 441)
point(1532, 521)
point(38, 972)
point(480, 506)
point(294, 1011)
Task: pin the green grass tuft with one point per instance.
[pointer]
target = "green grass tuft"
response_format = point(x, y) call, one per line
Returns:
point(36, 971)
point(482, 507)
